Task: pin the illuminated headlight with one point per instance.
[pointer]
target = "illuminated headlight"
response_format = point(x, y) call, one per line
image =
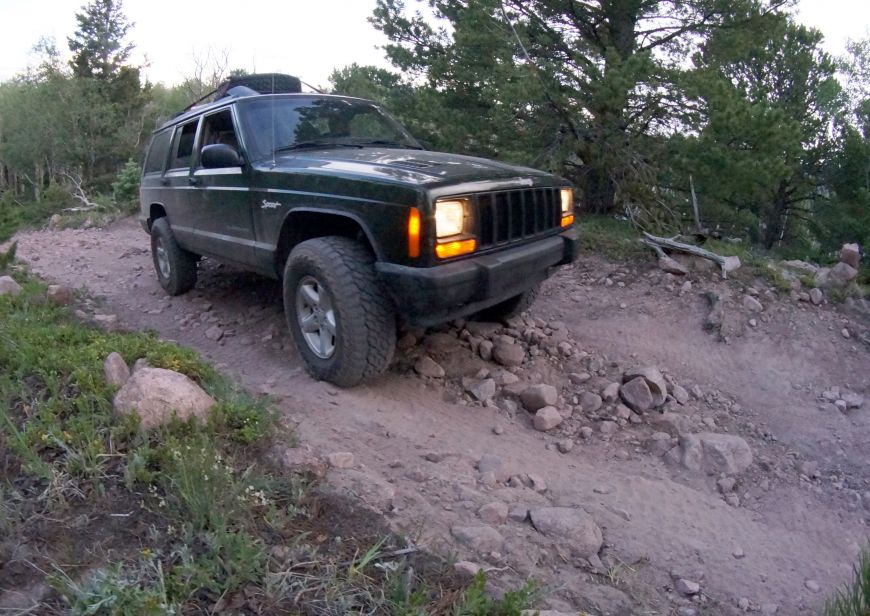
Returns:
point(567, 196)
point(450, 217)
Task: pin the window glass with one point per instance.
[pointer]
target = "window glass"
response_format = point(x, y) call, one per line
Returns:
point(157, 152)
point(183, 149)
point(218, 128)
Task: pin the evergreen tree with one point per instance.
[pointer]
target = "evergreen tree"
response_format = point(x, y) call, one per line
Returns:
point(98, 45)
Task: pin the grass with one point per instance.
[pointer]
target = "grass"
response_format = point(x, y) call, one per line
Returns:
point(109, 519)
point(854, 598)
point(615, 238)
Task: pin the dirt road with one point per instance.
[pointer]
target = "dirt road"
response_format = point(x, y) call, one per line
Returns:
point(783, 539)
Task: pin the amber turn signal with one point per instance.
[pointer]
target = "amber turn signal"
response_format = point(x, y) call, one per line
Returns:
point(568, 220)
point(414, 233)
point(454, 249)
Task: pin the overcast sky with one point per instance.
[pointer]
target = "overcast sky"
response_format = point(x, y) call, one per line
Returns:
point(307, 38)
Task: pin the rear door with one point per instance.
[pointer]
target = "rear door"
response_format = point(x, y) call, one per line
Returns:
point(220, 200)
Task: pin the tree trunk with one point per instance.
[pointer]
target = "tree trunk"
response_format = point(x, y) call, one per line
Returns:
point(775, 220)
point(599, 191)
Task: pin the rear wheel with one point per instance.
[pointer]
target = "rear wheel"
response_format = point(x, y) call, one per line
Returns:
point(510, 307)
point(343, 324)
point(175, 267)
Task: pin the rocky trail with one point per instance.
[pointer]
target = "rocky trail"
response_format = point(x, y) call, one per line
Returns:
point(606, 444)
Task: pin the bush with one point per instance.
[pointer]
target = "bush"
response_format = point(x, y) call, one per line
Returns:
point(125, 188)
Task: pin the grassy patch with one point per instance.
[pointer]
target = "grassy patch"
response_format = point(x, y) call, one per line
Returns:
point(103, 518)
point(854, 598)
point(614, 238)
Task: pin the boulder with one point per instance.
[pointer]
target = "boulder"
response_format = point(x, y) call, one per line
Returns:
point(485, 350)
point(573, 526)
point(590, 402)
point(637, 395)
point(116, 370)
point(547, 418)
point(59, 295)
point(482, 390)
point(8, 286)
point(493, 513)
point(508, 354)
point(610, 392)
point(658, 387)
point(426, 366)
point(340, 459)
point(715, 453)
point(478, 538)
point(836, 277)
point(156, 394)
point(538, 396)
point(752, 304)
point(816, 296)
point(850, 254)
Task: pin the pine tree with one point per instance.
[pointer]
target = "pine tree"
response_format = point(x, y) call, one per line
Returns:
point(98, 46)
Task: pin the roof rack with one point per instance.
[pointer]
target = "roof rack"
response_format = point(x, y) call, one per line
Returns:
point(251, 85)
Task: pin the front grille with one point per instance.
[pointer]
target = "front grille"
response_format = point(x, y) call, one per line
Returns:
point(511, 215)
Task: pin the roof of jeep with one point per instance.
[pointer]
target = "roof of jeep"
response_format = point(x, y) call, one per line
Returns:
point(228, 100)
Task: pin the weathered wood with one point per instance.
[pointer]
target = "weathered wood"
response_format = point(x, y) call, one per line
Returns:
point(698, 226)
point(727, 264)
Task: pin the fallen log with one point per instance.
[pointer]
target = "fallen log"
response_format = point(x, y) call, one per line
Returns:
point(727, 264)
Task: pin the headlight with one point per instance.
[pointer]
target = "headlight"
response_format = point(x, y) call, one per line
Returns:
point(450, 217)
point(567, 201)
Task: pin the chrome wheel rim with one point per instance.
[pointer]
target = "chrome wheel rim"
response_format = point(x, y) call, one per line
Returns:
point(316, 317)
point(162, 259)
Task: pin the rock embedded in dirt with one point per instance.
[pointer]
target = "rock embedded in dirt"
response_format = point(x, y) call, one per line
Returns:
point(607, 427)
point(752, 304)
point(812, 586)
point(485, 350)
point(712, 452)
point(586, 432)
point(853, 400)
point(508, 354)
point(466, 568)
point(687, 587)
point(495, 513)
point(590, 402)
point(547, 418)
point(156, 395)
point(428, 367)
point(680, 394)
point(478, 538)
point(672, 266)
point(214, 333)
point(837, 277)
point(482, 390)
point(610, 392)
point(373, 491)
point(483, 329)
point(575, 526)
point(579, 378)
point(636, 394)
point(726, 485)
point(565, 445)
point(59, 295)
point(538, 396)
point(8, 286)
point(340, 459)
point(116, 370)
point(816, 296)
point(659, 443)
point(655, 381)
point(850, 254)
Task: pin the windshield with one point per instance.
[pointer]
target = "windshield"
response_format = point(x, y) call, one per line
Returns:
point(281, 124)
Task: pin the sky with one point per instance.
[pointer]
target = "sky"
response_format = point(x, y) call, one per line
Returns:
point(307, 38)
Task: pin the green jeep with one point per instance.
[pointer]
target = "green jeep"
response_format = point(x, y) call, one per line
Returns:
point(365, 227)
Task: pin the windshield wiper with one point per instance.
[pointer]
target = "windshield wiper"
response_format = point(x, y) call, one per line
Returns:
point(388, 143)
point(318, 143)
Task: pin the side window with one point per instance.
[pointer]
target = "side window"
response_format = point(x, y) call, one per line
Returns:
point(157, 152)
point(182, 149)
point(218, 128)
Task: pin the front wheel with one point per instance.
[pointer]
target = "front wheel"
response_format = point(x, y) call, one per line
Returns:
point(343, 324)
point(175, 267)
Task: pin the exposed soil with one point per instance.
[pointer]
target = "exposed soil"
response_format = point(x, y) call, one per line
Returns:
point(416, 442)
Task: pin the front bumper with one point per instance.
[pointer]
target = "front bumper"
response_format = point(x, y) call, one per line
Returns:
point(428, 296)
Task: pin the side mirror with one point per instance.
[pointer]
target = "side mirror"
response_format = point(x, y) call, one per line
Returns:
point(220, 155)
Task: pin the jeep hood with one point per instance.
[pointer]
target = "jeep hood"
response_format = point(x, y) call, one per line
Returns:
point(415, 167)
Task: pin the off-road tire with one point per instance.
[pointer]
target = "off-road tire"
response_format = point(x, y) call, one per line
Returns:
point(510, 307)
point(365, 318)
point(181, 275)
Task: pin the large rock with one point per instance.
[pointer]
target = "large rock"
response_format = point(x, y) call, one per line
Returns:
point(483, 329)
point(850, 254)
point(116, 370)
point(482, 390)
point(547, 418)
point(574, 526)
point(426, 366)
point(658, 387)
point(478, 538)
point(508, 354)
point(538, 396)
point(713, 453)
point(637, 395)
point(836, 277)
point(156, 395)
point(752, 304)
point(59, 295)
point(8, 286)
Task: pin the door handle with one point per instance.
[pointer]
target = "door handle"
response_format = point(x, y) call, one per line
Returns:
point(193, 181)
point(164, 181)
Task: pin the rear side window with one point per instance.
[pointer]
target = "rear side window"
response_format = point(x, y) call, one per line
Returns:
point(182, 149)
point(157, 152)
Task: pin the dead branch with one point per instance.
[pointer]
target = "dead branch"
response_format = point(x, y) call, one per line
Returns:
point(78, 193)
point(727, 264)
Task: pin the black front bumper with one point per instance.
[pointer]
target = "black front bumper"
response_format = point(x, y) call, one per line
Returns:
point(427, 296)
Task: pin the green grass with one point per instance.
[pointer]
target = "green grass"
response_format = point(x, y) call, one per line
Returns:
point(186, 518)
point(614, 238)
point(854, 598)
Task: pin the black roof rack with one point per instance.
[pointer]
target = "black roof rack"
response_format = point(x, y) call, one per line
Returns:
point(251, 85)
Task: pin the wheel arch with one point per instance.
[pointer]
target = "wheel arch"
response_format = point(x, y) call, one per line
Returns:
point(155, 211)
point(302, 224)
